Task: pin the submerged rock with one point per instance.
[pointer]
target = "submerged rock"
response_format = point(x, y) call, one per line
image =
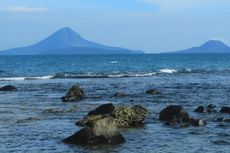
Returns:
point(200, 109)
point(101, 131)
point(124, 116)
point(225, 110)
point(119, 94)
point(152, 92)
point(197, 122)
point(223, 119)
point(174, 114)
point(8, 88)
point(211, 108)
point(75, 93)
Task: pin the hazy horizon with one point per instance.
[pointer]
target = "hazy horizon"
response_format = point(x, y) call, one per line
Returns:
point(148, 25)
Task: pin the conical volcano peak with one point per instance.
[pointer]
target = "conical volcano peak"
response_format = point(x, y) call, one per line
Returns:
point(66, 32)
point(66, 41)
point(214, 43)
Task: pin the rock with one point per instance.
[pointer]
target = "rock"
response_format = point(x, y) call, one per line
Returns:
point(211, 108)
point(200, 109)
point(223, 119)
point(124, 116)
point(8, 88)
point(129, 116)
point(80, 137)
point(101, 131)
point(197, 122)
point(225, 110)
point(106, 129)
point(152, 92)
point(174, 114)
point(119, 94)
point(75, 93)
point(102, 110)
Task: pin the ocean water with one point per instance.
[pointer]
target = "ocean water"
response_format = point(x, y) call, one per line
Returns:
point(28, 125)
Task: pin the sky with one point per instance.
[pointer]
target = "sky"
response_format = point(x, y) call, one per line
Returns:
point(149, 25)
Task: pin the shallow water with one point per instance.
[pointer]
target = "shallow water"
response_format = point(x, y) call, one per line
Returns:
point(34, 119)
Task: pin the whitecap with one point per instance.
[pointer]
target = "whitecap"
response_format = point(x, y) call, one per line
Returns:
point(170, 71)
point(114, 62)
point(26, 78)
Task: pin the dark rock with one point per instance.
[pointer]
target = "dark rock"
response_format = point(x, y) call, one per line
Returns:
point(200, 109)
point(102, 110)
point(101, 131)
point(119, 94)
point(174, 114)
point(223, 119)
point(197, 122)
point(225, 110)
point(124, 116)
point(211, 108)
point(8, 88)
point(75, 93)
point(152, 92)
point(80, 137)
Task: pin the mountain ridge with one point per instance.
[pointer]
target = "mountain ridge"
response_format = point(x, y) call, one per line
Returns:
point(64, 39)
point(211, 46)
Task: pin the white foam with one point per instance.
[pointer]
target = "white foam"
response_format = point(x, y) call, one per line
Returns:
point(170, 71)
point(26, 78)
point(113, 62)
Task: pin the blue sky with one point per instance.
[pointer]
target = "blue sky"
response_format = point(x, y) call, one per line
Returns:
point(149, 25)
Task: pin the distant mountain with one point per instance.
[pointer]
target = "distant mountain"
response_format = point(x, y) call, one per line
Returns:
point(212, 46)
point(66, 41)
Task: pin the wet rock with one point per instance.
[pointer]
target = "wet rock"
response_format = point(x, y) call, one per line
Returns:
point(223, 119)
point(101, 131)
point(197, 122)
point(102, 110)
point(124, 116)
point(225, 110)
point(75, 93)
point(119, 94)
point(200, 109)
point(80, 137)
point(211, 108)
point(174, 114)
point(152, 92)
point(8, 88)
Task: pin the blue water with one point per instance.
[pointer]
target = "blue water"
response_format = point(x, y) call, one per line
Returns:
point(187, 80)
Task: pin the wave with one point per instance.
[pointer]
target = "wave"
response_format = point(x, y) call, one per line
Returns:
point(113, 74)
point(26, 78)
point(168, 71)
point(114, 62)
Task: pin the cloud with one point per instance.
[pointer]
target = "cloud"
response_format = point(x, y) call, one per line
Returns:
point(185, 4)
point(25, 9)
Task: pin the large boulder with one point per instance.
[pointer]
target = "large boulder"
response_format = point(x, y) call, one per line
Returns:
point(8, 88)
point(129, 116)
point(124, 116)
point(225, 110)
point(101, 131)
point(75, 93)
point(174, 114)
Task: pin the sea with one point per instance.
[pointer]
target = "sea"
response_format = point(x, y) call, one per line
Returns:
point(33, 119)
